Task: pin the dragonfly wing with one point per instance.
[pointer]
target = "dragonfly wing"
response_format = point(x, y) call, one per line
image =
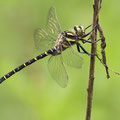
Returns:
point(42, 40)
point(72, 58)
point(57, 70)
point(53, 26)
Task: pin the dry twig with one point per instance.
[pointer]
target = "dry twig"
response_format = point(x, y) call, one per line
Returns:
point(92, 60)
point(96, 9)
point(103, 46)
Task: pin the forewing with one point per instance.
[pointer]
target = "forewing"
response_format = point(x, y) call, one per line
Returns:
point(72, 58)
point(53, 26)
point(42, 40)
point(57, 70)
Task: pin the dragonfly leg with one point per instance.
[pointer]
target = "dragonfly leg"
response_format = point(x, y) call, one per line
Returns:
point(84, 51)
point(78, 48)
point(89, 32)
point(88, 27)
point(84, 40)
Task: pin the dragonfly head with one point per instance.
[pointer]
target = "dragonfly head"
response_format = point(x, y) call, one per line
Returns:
point(80, 30)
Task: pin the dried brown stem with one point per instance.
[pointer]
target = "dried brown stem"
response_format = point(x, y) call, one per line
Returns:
point(103, 46)
point(96, 9)
point(92, 60)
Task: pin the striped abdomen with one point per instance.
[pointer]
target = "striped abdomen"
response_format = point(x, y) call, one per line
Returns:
point(26, 64)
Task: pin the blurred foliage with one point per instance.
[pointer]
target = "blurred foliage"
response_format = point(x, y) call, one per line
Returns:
point(32, 94)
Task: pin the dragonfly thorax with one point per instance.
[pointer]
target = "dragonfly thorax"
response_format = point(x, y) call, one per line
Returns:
point(61, 44)
point(80, 30)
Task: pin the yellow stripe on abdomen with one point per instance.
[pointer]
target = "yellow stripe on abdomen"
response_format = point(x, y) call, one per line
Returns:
point(46, 53)
point(35, 59)
point(5, 78)
point(25, 65)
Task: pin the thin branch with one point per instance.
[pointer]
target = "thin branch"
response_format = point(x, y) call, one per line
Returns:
point(103, 46)
point(92, 60)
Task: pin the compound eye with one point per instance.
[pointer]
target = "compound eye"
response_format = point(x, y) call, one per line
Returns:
point(75, 28)
point(79, 31)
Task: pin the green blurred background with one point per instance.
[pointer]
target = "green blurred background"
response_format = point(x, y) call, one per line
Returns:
point(32, 94)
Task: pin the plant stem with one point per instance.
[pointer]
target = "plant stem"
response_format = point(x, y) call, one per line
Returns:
point(92, 60)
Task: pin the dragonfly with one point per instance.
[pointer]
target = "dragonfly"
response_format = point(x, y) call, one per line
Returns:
point(59, 46)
